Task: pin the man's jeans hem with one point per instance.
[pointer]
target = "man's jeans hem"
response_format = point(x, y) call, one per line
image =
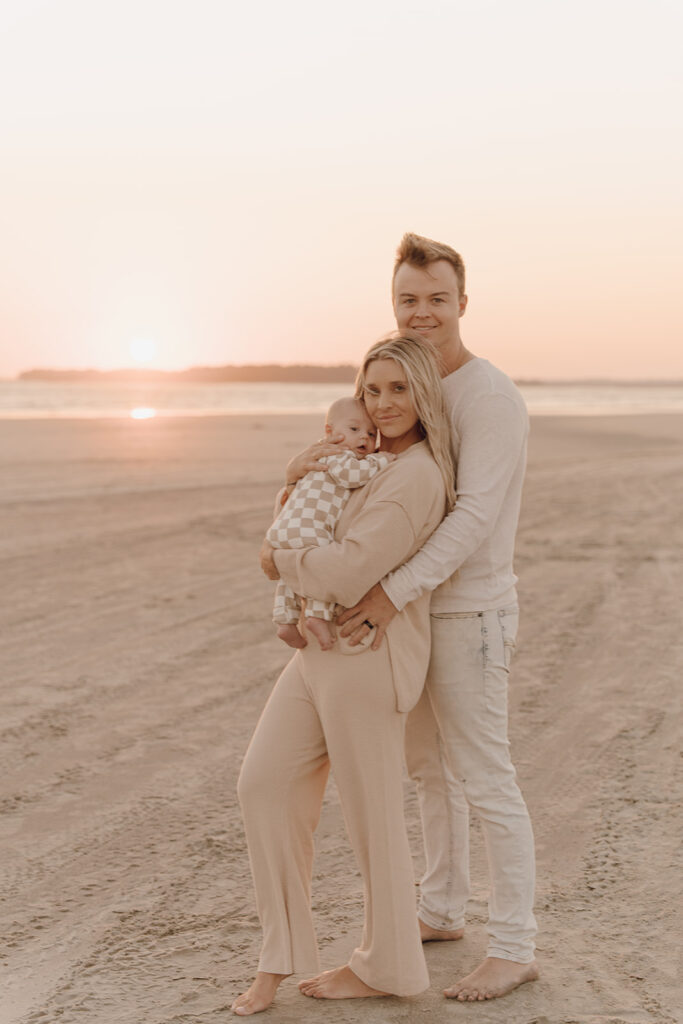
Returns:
point(440, 923)
point(518, 958)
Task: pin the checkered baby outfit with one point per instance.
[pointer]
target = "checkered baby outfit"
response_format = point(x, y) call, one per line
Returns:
point(309, 517)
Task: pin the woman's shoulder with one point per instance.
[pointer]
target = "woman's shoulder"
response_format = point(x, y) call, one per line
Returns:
point(418, 460)
point(410, 488)
point(414, 474)
point(419, 455)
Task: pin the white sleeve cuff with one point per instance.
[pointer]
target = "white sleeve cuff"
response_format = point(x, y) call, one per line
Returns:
point(394, 586)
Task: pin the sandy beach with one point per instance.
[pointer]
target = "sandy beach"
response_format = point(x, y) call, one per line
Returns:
point(137, 653)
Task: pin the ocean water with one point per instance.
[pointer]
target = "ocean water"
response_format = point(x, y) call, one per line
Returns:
point(47, 400)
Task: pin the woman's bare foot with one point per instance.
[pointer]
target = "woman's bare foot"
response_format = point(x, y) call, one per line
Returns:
point(291, 636)
point(341, 983)
point(493, 978)
point(322, 631)
point(259, 996)
point(428, 934)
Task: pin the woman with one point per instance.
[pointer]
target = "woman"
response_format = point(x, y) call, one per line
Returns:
point(333, 708)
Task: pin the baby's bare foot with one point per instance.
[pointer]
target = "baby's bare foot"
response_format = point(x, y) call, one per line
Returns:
point(341, 983)
point(259, 996)
point(291, 636)
point(322, 631)
point(493, 978)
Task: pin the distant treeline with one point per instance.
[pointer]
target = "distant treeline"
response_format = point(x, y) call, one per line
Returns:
point(300, 373)
point(270, 372)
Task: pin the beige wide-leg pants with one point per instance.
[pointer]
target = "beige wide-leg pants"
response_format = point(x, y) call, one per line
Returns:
point(328, 708)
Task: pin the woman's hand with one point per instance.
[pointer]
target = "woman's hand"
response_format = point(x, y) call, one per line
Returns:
point(375, 610)
point(307, 460)
point(267, 563)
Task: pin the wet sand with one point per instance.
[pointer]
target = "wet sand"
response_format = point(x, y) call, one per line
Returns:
point(137, 653)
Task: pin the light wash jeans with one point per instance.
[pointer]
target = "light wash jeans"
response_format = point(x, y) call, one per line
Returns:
point(458, 754)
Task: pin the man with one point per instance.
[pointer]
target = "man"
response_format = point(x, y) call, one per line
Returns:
point(456, 739)
point(456, 742)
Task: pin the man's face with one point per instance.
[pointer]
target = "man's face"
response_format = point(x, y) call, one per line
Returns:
point(426, 300)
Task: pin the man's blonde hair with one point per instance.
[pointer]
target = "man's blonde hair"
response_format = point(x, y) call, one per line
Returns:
point(419, 362)
point(419, 251)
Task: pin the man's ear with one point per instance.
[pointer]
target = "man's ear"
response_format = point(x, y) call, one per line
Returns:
point(328, 430)
point(462, 305)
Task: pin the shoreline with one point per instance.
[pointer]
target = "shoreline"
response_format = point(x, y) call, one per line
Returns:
point(45, 401)
point(226, 414)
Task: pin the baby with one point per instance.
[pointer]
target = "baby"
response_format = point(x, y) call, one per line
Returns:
point(312, 510)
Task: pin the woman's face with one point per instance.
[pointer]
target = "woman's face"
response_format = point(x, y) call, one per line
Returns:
point(390, 406)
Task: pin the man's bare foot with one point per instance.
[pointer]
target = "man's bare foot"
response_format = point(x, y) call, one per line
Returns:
point(428, 934)
point(321, 631)
point(341, 983)
point(259, 996)
point(291, 636)
point(493, 978)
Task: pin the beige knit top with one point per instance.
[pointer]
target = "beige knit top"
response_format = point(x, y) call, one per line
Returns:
point(383, 524)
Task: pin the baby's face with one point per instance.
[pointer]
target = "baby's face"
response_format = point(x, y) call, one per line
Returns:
point(360, 435)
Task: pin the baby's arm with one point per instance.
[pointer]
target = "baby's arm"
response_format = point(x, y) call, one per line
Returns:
point(281, 498)
point(351, 472)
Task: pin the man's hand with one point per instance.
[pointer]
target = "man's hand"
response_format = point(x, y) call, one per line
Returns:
point(375, 609)
point(267, 564)
point(307, 460)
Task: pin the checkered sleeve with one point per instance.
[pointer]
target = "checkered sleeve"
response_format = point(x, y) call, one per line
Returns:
point(311, 513)
point(351, 472)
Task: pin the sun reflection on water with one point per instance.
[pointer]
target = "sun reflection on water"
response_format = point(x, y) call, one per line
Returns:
point(142, 413)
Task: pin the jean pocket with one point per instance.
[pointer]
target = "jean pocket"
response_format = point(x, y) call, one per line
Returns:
point(499, 630)
point(509, 620)
point(456, 615)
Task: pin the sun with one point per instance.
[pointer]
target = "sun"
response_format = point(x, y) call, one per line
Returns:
point(142, 350)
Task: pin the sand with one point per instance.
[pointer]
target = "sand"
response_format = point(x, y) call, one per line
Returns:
point(137, 653)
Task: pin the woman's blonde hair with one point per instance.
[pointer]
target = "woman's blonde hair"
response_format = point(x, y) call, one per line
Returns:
point(419, 362)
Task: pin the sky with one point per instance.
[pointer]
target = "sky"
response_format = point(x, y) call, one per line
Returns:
point(200, 183)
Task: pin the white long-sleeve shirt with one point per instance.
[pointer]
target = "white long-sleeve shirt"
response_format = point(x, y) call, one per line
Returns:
point(467, 562)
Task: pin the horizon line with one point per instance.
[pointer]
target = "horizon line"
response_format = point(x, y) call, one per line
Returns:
point(137, 372)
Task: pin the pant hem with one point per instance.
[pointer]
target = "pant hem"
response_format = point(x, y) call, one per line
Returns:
point(271, 967)
point(516, 958)
point(440, 923)
point(261, 969)
point(388, 987)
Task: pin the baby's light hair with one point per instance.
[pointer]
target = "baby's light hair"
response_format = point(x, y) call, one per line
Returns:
point(338, 405)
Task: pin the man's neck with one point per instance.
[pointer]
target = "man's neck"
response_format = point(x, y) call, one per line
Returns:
point(455, 357)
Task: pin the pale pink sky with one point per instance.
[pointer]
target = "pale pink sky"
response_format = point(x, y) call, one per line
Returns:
point(231, 188)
